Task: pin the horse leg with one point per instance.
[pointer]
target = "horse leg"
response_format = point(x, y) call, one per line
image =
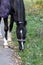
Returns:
point(5, 29)
point(21, 35)
point(0, 18)
point(11, 23)
point(10, 28)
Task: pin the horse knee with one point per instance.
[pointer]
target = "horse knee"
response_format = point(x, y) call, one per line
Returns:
point(5, 27)
point(5, 24)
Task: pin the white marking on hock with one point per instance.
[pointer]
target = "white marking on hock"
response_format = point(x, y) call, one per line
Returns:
point(5, 43)
point(9, 37)
point(21, 31)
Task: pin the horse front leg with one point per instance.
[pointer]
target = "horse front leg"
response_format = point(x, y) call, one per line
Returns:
point(6, 30)
point(21, 35)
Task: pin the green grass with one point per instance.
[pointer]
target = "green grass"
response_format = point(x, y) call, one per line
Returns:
point(33, 52)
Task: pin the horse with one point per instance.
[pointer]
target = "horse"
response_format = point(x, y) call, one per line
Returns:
point(17, 11)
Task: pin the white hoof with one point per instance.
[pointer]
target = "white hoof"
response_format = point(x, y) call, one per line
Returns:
point(5, 43)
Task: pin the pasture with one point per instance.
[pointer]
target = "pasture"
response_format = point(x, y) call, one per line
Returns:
point(33, 52)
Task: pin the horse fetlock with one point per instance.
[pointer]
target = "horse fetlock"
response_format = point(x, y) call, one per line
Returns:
point(21, 45)
point(5, 43)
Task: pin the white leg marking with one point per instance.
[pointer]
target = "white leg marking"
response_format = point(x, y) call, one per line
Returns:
point(5, 43)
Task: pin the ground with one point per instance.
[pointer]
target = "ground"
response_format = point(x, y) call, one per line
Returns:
point(33, 52)
point(8, 56)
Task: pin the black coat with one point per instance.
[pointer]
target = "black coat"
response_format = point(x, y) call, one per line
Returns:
point(14, 7)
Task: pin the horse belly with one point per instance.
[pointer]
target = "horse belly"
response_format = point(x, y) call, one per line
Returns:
point(4, 8)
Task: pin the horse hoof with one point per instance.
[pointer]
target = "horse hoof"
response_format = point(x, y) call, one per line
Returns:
point(5, 42)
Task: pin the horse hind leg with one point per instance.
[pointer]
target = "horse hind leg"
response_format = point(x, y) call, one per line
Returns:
point(6, 30)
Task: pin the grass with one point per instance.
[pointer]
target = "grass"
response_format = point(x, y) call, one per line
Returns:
point(33, 52)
